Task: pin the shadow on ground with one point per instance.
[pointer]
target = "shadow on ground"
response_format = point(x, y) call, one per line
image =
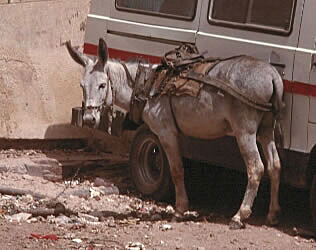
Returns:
point(220, 191)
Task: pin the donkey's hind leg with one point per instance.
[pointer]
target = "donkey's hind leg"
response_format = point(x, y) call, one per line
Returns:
point(265, 137)
point(170, 144)
point(255, 169)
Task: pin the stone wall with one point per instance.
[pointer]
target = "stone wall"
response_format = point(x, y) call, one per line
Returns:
point(39, 82)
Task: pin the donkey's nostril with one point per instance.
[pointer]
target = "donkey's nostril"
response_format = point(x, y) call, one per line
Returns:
point(89, 121)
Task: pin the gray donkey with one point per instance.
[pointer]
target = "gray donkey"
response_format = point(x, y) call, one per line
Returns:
point(210, 115)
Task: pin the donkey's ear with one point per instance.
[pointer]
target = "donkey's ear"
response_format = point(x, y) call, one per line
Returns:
point(78, 57)
point(103, 52)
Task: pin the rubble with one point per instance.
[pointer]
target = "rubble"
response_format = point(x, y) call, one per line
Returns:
point(93, 211)
point(134, 246)
point(20, 217)
point(165, 227)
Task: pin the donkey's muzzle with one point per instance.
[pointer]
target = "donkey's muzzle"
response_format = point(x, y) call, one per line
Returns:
point(89, 121)
point(91, 117)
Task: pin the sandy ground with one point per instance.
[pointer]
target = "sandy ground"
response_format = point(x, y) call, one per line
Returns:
point(105, 212)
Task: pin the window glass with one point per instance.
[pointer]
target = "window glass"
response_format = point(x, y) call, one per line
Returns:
point(272, 13)
point(173, 8)
point(226, 10)
point(258, 14)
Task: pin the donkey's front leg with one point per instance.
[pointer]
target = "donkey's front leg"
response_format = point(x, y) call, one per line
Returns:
point(170, 145)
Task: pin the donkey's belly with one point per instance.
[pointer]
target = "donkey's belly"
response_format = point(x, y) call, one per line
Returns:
point(205, 117)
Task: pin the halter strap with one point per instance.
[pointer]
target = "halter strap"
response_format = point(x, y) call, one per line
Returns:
point(130, 80)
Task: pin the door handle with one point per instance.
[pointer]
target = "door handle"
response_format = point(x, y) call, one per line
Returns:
point(313, 60)
point(281, 65)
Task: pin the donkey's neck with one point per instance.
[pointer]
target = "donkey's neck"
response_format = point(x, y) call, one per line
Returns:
point(122, 91)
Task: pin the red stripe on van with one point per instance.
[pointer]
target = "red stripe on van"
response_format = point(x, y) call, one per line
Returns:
point(92, 49)
point(299, 88)
point(304, 89)
point(289, 87)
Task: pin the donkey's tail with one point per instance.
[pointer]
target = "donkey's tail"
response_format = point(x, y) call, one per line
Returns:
point(277, 106)
point(277, 97)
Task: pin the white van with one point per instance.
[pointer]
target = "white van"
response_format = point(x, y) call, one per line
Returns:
point(282, 33)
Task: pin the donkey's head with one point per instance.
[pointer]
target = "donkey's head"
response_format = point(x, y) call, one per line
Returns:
point(97, 92)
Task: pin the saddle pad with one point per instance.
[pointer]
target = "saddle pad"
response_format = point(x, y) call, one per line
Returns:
point(179, 85)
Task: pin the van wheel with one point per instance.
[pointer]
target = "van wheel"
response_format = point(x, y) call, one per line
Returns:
point(313, 202)
point(149, 168)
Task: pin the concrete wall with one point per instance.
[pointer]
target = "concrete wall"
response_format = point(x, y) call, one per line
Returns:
point(39, 82)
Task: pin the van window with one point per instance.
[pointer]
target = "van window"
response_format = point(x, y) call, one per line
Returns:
point(267, 15)
point(183, 9)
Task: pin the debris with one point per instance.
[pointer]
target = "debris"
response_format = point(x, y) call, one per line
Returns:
point(134, 246)
point(165, 227)
point(130, 221)
point(95, 192)
point(60, 220)
point(72, 183)
point(82, 193)
point(191, 214)
point(9, 209)
point(107, 190)
point(88, 217)
point(47, 237)
point(303, 233)
point(77, 240)
point(32, 220)
point(3, 168)
point(156, 217)
point(170, 210)
point(100, 182)
point(20, 217)
point(15, 192)
point(57, 210)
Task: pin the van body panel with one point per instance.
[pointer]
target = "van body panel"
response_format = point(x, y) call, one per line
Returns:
point(300, 111)
point(97, 27)
point(100, 7)
point(305, 72)
point(131, 34)
point(146, 34)
point(155, 20)
point(92, 36)
point(151, 32)
point(226, 41)
point(139, 46)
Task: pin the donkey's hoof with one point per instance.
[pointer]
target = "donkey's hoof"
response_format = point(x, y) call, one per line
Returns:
point(272, 220)
point(235, 225)
point(177, 217)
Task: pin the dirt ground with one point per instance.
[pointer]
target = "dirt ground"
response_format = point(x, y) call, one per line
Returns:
point(101, 209)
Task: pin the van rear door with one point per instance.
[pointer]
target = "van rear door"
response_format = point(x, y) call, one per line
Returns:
point(305, 74)
point(148, 29)
point(267, 30)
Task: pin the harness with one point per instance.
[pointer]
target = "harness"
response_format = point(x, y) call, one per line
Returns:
point(182, 64)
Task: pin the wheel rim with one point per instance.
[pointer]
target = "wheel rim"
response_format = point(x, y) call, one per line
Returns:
point(150, 160)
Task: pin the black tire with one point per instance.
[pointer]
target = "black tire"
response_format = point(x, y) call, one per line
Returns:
point(313, 202)
point(149, 168)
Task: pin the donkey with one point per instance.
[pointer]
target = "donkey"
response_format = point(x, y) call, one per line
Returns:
point(210, 115)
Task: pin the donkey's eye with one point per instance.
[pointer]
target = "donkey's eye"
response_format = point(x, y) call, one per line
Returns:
point(102, 86)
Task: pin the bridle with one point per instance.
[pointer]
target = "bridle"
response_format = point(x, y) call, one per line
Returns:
point(104, 108)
